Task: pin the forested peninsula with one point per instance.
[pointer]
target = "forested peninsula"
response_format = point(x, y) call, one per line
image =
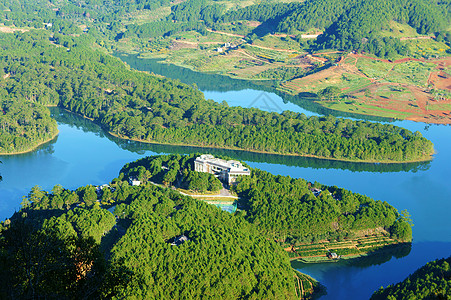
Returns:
point(65, 71)
point(152, 242)
point(284, 207)
point(24, 124)
point(432, 281)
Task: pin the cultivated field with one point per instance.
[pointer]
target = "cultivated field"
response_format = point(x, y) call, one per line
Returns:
point(413, 89)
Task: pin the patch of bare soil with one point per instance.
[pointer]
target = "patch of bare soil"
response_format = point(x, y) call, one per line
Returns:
point(7, 29)
point(253, 23)
point(177, 45)
point(440, 80)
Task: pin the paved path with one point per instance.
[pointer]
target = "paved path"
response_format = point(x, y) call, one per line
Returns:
point(224, 193)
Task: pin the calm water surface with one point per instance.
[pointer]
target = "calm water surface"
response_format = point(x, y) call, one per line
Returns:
point(83, 154)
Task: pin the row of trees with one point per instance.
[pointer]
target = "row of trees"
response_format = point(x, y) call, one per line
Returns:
point(140, 106)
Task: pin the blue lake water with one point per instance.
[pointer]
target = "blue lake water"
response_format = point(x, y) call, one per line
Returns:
point(83, 154)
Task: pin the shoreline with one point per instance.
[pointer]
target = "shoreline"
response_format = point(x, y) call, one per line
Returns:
point(34, 147)
point(414, 118)
point(325, 259)
point(430, 157)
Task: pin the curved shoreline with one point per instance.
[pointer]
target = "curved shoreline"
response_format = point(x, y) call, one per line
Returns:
point(422, 118)
point(430, 157)
point(34, 147)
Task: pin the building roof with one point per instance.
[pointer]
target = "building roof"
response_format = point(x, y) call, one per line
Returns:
point(179, 240)
point(232, 166)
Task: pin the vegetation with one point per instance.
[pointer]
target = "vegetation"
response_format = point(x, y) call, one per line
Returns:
point(68, 247)
point(171, 170)
point(24, 124)
point(284, 207)
point(432, 281)
point(140, 106)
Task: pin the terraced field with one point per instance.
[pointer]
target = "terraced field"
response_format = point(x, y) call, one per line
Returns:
point(318, 252)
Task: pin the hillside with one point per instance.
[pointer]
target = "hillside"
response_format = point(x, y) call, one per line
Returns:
point(276, 43)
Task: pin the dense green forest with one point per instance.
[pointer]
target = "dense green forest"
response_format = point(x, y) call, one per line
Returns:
point(432, 281)
point(139, 106)
point(63, 244)
point(308, 162)
point(24, 124)
point(286, 207)
point(283, 207)
point(347, 25)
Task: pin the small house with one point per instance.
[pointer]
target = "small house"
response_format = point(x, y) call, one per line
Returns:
point(179, 240)
point(333, 255)
point(134, 181)
point(316, 191)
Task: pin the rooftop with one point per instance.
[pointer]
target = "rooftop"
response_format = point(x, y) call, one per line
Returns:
point(231, 165)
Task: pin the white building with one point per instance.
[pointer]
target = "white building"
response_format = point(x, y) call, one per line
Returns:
point(226, 170)
point(134, 181)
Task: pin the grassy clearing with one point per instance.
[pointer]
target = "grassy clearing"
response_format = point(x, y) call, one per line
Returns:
point(411, 73)
point(146, 16)
point(375, 69)
point(278, 42)
point(347, 82)
point(398, 30)
point(267, 54)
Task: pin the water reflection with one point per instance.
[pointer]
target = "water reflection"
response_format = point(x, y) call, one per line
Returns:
point(86, 125)
point(221, 83)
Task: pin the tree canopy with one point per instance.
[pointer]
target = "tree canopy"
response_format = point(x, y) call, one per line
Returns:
point(140, 106)
point(61, 248)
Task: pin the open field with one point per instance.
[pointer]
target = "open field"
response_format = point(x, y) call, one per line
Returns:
point(416, 88)
point(410, 89)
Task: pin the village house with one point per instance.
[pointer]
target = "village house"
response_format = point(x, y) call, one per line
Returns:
point(179, 240)
point(134, 181)
point(333, 255)
point(227, 171)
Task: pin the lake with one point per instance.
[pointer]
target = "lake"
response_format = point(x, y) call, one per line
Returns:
point(84, 154)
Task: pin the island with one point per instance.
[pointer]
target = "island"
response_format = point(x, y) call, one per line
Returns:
point(386, 59)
